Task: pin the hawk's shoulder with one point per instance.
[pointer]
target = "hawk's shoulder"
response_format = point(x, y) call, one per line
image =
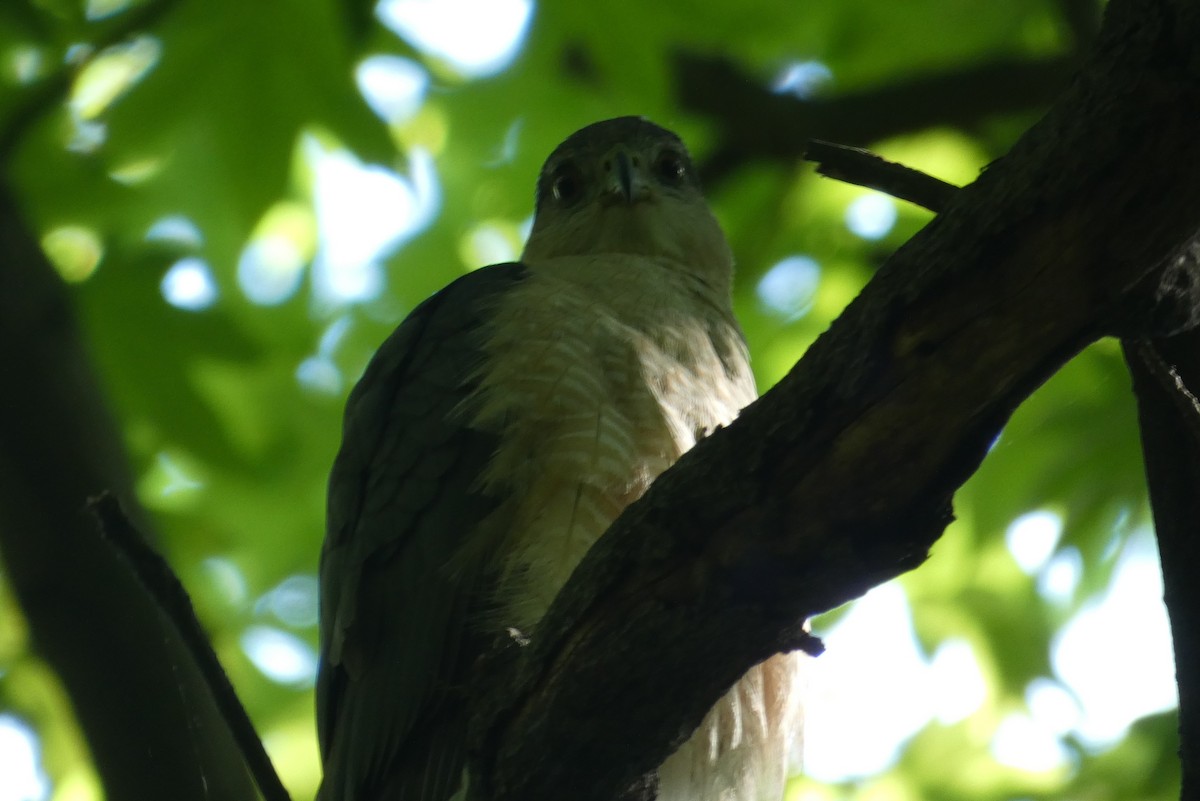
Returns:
point(404, 495)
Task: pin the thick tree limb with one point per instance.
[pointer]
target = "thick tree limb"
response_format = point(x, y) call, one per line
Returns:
point(841, 477)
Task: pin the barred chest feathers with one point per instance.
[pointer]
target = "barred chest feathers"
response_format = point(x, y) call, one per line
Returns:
point(602, 371)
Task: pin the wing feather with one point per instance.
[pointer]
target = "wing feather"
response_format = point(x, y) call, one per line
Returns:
point(404, 497)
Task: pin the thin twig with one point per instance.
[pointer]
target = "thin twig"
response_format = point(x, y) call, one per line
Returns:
point(853, 165)
point(172, 600)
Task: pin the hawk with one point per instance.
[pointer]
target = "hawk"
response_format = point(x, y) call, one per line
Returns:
point(494, 437)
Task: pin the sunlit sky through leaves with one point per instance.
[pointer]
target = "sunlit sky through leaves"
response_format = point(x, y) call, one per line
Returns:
point(874, 688)
point(488, 41)
point(21, 777)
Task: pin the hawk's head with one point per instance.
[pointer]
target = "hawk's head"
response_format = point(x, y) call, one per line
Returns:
point(625, 186)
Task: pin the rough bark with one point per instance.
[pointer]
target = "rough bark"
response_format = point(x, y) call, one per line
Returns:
point(841, 477)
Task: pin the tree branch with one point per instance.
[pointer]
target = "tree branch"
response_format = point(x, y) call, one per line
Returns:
point(168, 594)
point(145, 709)
point(146, 712)
point(861, 167)
point(755, 123)
point(841, 477)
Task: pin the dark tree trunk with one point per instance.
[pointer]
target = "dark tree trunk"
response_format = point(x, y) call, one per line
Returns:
point(147, 714)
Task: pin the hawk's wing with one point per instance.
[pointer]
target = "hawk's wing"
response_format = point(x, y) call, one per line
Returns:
point(396, 589)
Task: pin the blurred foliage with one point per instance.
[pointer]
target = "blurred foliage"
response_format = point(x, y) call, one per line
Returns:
point(124, 114)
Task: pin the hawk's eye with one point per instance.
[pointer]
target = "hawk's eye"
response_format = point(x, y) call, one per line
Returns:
point(670, 168)
point(566, 184)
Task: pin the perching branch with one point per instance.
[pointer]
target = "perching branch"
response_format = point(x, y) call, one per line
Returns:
point(841, 477)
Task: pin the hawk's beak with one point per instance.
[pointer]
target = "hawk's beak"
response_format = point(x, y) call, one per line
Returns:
point(623, 179)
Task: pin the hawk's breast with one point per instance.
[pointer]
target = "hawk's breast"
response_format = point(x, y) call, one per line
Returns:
point(601, 372)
